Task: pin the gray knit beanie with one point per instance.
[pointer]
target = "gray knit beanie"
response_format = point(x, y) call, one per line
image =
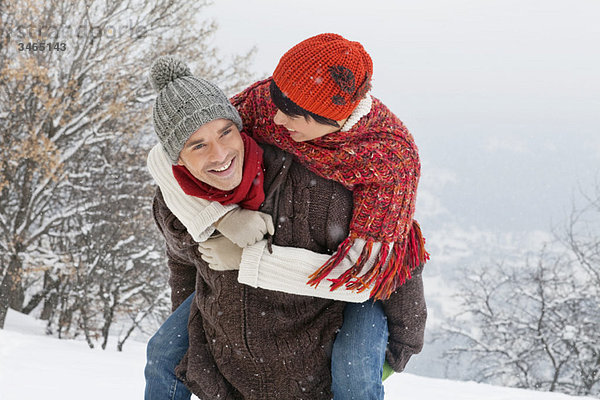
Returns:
point(184, 103)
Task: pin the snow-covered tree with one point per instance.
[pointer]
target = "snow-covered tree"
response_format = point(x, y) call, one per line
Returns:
point(69, 107)
point(537, 325)
point(115, 260)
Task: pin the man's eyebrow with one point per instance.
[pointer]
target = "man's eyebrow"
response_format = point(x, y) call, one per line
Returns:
point(223, 129)
point(201, 141)
point(194, 143)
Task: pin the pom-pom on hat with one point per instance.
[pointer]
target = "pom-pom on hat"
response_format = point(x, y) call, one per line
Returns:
point(326, 74)
point(184, 103)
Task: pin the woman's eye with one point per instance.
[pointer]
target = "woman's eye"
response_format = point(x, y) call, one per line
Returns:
point(199, 146)
point(227, 132)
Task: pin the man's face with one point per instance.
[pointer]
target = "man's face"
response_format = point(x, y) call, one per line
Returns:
point(302, 129)
point(214, 154)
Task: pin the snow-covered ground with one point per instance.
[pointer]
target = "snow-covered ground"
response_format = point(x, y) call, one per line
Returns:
point(34, 366)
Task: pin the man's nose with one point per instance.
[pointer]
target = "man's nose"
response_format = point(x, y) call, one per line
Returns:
point(218, 153)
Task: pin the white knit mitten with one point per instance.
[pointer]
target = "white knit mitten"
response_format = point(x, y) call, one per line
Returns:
point(221, 254)
point(245, 227)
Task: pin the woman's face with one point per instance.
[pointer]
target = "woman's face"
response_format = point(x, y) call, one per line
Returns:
point(304, 129)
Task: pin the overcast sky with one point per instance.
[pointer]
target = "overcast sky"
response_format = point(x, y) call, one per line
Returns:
point(502, 97)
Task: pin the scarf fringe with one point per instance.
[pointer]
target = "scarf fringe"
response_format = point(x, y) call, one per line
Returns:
point(384, 278)
point(356, 268)
point(342, 251)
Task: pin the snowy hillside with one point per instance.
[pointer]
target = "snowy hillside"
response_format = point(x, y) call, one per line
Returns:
point(34, 366)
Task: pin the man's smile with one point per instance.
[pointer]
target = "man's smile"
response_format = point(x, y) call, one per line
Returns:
point(224, 169)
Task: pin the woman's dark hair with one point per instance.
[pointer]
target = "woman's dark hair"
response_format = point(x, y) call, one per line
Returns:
point(291, 109)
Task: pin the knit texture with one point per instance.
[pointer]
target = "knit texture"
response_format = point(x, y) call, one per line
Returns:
point(325, 74)
point(259, 344)
point(248, 343)
point(286, 269)
point(184, 103)
point(378, 160)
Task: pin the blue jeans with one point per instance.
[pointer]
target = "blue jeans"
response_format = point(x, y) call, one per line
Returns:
point(356, 362)
point(165, 349)
point(359, 353)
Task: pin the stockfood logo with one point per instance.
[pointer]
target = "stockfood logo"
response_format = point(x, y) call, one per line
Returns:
point(61, 32)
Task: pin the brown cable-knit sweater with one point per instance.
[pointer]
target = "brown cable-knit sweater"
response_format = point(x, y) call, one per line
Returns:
point(248, 343)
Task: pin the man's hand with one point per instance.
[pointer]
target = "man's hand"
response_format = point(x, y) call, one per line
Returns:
point(245, 227)
point(221, 254)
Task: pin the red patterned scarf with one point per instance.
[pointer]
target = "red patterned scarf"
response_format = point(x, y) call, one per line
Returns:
point(378, 161)
point(250, 192)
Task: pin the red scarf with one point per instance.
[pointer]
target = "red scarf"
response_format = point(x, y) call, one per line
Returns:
point(250, 192)
point(378, 161)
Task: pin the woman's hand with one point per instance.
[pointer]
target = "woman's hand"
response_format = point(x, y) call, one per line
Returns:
point(221, 254)
point(245, 227)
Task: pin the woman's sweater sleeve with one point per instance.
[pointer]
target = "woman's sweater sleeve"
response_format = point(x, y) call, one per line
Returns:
point(286, 269)
point(198, 215)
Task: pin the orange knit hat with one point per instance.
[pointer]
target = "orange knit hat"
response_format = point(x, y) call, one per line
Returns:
point(326, 75)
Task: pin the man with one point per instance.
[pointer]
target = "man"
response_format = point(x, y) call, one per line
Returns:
point(212, 153)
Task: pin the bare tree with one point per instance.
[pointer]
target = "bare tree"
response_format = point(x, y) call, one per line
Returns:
point(115, 270)
point(537, 325)
point(73, 88)
point(581, 234)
